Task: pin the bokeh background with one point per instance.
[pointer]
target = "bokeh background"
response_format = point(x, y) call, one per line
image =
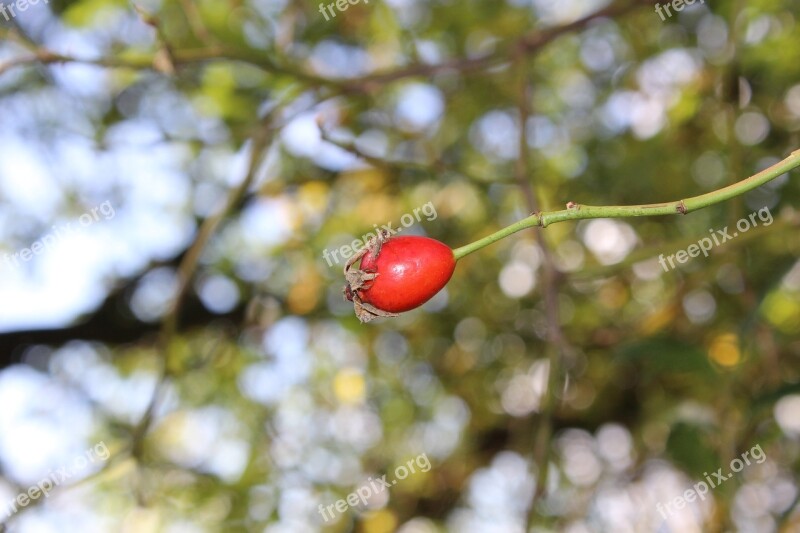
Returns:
point(184, 164)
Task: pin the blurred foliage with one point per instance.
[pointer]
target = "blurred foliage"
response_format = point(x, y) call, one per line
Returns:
point(285, 402)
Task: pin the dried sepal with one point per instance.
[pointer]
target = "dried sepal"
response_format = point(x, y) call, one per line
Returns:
point(358, 280)
point(366, 312)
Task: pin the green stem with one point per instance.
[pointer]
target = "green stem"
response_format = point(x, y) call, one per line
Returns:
point(687, 205)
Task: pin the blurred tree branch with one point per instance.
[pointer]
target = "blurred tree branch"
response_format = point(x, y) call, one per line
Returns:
point(559, 348)
point(527, 44)
point(188, 266)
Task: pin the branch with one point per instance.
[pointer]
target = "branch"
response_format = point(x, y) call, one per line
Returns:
point(188, 267)
point(436, 166)
point(580, 212)
point(529, 43)
point(559, 349)
point(195, 20)
point(259, 59)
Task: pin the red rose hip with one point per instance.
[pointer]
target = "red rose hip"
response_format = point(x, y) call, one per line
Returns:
point(397, 274)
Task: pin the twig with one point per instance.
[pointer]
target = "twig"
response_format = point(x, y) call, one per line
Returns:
point(580, 212)
point(559, 348)
point(163, 61)
point(529, 43)
point(196, 23)
point(437, 165)
point(186, 271)
point(44, 56)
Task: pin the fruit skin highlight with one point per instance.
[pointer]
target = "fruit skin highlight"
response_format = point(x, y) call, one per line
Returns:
point(397, 274)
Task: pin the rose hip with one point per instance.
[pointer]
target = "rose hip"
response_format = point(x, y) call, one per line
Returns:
point(397, 274)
